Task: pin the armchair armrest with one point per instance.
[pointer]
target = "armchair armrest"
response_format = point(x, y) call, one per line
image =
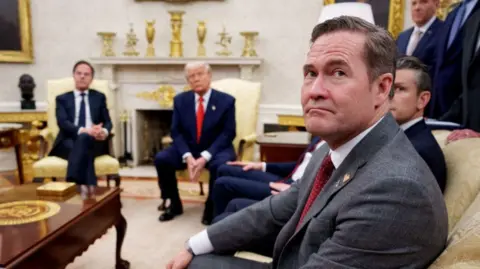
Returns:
point(44, 137)
point(245, 142)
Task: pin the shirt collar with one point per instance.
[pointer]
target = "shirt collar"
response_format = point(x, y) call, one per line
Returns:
point(425, 27)
point(78, 92)
point(410, 123)
point(206, 96)
point(339, 154)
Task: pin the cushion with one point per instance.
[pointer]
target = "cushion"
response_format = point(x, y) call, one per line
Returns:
point(463, 247)
point(441, 136)
point(57, 167)
point(463, 176)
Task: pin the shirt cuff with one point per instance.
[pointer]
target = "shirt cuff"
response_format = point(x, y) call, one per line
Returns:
point(205, 154)
point(105, 131)
point(200, 243)
point(264, 166)
point(185, 156)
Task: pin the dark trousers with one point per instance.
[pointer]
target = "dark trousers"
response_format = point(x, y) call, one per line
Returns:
point(233, 183)
point(80, 154)
point(169, 160)
point(234, 206)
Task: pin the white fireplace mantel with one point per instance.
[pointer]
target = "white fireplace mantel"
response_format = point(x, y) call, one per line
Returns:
point(246, 64)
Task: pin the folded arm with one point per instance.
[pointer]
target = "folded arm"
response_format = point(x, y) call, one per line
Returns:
point(63, 122)
point(225, 139)
point(106, 120)
point(385, 229)
point(177, 131)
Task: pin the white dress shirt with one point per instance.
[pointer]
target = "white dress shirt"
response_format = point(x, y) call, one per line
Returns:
point(201, 244)
point(410, 123)
point(88, 117)
point(423, 29)
point(301, 167)
point(205, 154)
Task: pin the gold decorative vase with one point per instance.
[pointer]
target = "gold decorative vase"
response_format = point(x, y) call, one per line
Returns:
point(150, 32)
point(107, 38)
point(249, 47)
point(176, 44)
point(201, 33)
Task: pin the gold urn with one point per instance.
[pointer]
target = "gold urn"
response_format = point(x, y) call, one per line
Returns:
point(201, 33)
point(176, 44)
point(249, 47)
point(150, 33)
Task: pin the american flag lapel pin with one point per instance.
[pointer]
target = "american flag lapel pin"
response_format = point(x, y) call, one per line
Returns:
point(213, 108)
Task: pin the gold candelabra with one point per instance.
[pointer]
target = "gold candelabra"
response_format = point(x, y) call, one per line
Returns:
point(201, 33)
point(176, 44)
point(107, 38)
point(249, 47)
point(225, 40)
point(131, 43)
point(150, 32)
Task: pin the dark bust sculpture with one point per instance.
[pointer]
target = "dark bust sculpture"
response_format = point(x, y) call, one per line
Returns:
point(27, 85)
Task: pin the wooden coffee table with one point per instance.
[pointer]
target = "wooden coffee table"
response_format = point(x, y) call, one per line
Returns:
point(55, 241)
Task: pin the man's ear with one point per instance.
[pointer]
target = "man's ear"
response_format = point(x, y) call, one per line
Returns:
point(423, 99)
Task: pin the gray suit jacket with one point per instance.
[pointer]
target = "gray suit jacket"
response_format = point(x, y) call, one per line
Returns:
point(382, 208)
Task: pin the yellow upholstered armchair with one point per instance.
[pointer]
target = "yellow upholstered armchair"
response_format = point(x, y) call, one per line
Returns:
point(54, 167)
point(247, 99)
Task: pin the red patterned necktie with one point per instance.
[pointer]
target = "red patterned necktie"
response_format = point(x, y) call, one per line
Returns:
point(200, 116)
point(321, 179)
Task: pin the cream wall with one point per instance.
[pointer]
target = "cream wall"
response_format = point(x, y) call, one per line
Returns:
point(65, 31)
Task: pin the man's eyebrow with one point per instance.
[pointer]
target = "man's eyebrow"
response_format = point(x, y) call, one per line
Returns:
point(308, 67)
point(336, 62)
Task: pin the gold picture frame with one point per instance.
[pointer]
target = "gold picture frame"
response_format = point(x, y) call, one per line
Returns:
point(24, 53)
point(396, 8)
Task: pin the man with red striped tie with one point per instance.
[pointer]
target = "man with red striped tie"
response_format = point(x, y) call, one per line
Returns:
point(366, 199)
point(257, 180)
point(203, 129)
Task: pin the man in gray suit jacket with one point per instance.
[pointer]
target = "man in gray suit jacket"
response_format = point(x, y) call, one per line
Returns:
point(366, 199)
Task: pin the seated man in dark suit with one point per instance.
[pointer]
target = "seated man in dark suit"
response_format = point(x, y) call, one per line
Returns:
point(84, 123)
point(412, 94)
point(203, 129)
point(255, 180)
point(420, 40)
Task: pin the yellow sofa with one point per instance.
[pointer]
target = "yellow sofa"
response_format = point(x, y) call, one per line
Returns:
point(462, 197)
point(54, 167)
point(247, 99)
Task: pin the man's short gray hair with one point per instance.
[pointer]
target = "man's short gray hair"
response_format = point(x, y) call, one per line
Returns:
point(423, 81)
point(191, 65)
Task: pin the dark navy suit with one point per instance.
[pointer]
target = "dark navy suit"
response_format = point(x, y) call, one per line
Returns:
point(233, 182)
point(426, 47)
point(419, 134)
point(80, 150)
point(218, 132)
point(447, 83)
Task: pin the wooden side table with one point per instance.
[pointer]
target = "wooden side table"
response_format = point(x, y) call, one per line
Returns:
point(283, 146)
point(10, 138)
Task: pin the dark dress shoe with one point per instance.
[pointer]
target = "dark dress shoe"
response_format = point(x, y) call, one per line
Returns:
point(207, 217)
point(170, 213)
point(162, 206)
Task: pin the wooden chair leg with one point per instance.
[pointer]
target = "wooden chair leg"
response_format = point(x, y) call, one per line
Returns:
point(54, 179)
point(114, 177)
point(201, 188)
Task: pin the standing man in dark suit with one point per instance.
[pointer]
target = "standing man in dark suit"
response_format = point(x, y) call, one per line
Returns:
point(255, 180)
point(412, 94)
point(84, 123)
point(466, 110)
point(447, 77)
point(364, 195)
point(203, 129)
point(421, 40)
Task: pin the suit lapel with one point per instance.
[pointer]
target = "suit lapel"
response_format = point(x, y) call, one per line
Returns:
point(210, 110)
point(72, 106)
point(342, 176)
point(404, 43)
point(470, 40)
point(92, 106)
point(190, 110)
